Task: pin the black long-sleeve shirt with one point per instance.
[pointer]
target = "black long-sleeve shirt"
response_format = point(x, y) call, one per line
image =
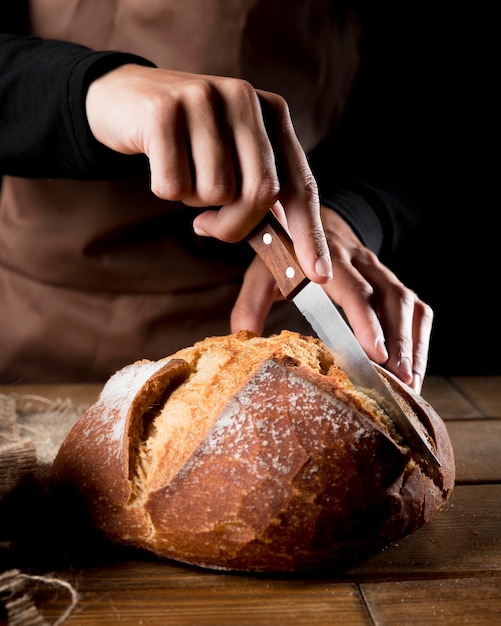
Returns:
point(44, 131)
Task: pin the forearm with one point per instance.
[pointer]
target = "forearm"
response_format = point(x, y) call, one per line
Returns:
point(43, 126)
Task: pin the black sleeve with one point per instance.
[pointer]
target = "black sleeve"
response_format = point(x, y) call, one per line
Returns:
point(43, 125)
point(372, 171)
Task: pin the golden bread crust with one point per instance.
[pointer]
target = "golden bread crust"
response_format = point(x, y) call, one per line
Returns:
point(254, 454)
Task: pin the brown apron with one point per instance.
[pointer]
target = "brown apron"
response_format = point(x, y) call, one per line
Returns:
point(94, 275)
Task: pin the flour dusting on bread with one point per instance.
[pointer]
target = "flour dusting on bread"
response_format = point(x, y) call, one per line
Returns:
point(256, 454)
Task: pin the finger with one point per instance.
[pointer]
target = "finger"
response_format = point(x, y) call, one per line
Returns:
point(394, 321)
point(398, 316)
point(190, 154)
point(169, 160)
point(254, 161)
point(298, 191)
point(355, 294)
point(422, 326)
point(394, 305)
point(255, 299)
point(211, 148)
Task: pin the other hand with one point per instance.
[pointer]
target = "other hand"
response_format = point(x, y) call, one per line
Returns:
point(389, 320)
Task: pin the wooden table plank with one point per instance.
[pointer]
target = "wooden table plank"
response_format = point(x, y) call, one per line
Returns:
point(463, 540)
point(447, 400)
point(483, 391)
point(473, 601)
point(78, 393)
point(477, 450)
point(211, 600)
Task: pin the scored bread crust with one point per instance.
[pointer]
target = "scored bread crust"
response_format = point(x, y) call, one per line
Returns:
point(253, 454)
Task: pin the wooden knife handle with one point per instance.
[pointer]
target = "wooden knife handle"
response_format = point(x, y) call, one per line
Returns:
point(273, 244)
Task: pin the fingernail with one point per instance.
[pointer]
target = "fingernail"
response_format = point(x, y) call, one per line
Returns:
point(417, 382)
point(323, 266)
point(200, 231)
point(381, 348)
point(404, 365)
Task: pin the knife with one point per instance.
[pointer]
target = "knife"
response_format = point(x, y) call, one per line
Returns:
point(273, 244)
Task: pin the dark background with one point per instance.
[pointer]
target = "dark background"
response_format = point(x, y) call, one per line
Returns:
point(454, 261)
point(439, 95)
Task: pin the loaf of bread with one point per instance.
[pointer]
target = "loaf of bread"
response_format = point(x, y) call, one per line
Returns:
point(253, 454)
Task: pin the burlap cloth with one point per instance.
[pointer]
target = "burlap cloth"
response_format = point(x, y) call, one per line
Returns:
point(31, 430)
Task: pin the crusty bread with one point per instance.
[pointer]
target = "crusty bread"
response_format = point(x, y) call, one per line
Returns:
point(253, 454)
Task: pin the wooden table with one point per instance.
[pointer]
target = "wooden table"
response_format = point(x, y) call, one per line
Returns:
point(446, 573)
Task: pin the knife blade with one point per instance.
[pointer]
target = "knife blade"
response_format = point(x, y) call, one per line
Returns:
point(273, 244)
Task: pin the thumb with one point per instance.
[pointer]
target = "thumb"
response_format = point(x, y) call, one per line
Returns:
point(255, 299)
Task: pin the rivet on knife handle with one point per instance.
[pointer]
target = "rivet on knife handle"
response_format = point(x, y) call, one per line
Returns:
point(272, 243)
